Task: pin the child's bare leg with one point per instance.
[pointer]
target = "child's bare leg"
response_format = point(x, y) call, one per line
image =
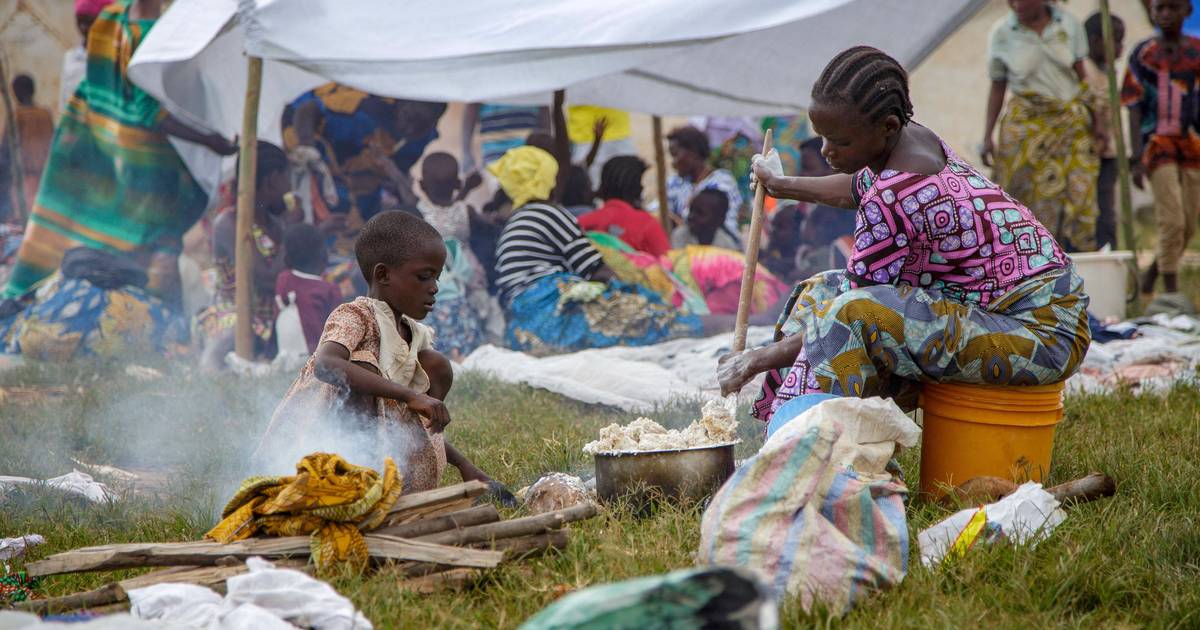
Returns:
point(441, 378)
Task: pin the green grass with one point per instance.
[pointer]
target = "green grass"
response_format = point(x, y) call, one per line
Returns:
point(1129, 561)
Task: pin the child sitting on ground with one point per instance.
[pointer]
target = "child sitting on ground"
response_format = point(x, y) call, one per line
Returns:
point(706, 223)
point(375, 370)
point(301, 283)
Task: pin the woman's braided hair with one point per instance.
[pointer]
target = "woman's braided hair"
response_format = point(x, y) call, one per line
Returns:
point(870, 80)
point(621, 178)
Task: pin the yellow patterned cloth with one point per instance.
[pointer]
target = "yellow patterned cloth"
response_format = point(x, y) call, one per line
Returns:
point(328, 498)
point(526, 174)
point(1044, 159)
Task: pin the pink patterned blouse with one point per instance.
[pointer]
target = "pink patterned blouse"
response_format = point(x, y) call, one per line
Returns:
point(955, 232)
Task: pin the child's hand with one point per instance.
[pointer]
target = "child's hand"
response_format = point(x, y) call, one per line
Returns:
point(472, 182)
point(432, 409)
point(1138, 172)
point(987, 151)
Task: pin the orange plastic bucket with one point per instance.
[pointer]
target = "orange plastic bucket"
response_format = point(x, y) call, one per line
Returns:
point(974, 431)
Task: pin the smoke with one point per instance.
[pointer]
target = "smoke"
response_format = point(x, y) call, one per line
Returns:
point(315, 421)
point(204, 435)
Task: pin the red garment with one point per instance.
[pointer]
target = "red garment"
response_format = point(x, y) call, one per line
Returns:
point(315, 299)
point(638, 228)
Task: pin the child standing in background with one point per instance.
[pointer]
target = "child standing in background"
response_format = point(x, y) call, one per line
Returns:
point(1160, 90)
point(1096, 71)
point(375, 371)
point(301, 283)
point(464, 305)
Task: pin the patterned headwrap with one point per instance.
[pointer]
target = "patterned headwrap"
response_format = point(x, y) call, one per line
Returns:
point(90, 8)
point(525, 173)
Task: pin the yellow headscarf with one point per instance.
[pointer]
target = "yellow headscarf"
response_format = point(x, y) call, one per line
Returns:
point(525, 173)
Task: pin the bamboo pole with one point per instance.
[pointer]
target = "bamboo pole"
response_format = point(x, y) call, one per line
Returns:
point(244, 256)
point(1114, 100)
point(14, 142)
point(660, 175)
point(752, 244)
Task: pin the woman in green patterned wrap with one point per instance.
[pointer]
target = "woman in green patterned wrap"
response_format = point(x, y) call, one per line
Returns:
point(113, 181)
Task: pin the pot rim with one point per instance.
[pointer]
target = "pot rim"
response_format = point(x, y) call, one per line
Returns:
point(620, 454)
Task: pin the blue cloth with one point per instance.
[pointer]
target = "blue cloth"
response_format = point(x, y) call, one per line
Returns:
point(347, 136)
point(1191, 24)
point(1105, 334)
point(504, 127)
point(77, 318)
point(615, 314)
point(793, 408)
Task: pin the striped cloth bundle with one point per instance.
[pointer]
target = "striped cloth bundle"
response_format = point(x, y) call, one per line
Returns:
point(819, 511)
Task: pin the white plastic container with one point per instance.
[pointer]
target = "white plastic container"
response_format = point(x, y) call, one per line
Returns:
point(1106, 279)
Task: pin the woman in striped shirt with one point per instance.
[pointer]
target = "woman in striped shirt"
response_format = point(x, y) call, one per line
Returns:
point(558, 293)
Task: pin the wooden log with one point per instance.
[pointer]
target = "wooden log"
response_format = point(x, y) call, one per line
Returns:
point(1093, 486)
point(427, 512)
point(427, 578)
point(410, 505)
point(979, 490)
point(477, 515)
point(976, 491)
point(211, 577)
point(206, 553)
point(107, 594)
point(392, 548)
point(530, 525)
point(520, 548)
point(446, 580)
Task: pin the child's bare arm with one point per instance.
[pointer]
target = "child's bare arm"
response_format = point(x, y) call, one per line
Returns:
point(335, 367)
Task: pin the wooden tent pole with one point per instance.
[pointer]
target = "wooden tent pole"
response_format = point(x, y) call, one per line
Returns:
point(752, 243)
point(660, 175)
point(14, 142)
point(1114, 100)
point(244, 254)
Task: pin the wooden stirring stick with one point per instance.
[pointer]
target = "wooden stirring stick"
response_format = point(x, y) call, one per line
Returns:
point(752, 244)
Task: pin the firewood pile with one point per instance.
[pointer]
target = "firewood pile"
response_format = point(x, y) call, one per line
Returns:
point(430, 540)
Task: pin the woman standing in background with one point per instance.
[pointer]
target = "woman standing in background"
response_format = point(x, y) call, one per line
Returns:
point(1044, 156)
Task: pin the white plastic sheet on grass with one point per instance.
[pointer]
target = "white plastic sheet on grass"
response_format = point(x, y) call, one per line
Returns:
point(1025, 517)
point(266, 598)
point(630, 379)
point(74, 482)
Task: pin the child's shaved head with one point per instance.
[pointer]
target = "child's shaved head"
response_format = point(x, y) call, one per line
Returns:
point(391, 238)
point(439, 177)
point(440, 166)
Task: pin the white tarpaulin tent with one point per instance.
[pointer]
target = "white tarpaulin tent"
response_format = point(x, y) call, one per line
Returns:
point(667, 57)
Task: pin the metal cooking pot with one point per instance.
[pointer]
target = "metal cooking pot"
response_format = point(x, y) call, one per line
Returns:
point(685, 475)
